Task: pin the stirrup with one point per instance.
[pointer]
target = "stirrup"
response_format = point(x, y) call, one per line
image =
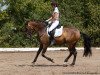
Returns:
point(52, 42)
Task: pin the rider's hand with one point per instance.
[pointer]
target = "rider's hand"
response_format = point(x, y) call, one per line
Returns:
point(46, 22)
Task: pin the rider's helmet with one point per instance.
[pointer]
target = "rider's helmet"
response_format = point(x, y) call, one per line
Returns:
point(54, 3)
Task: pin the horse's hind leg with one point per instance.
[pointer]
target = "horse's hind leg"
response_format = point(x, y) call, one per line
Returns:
point(72, 51)
point(75, 54)
point(43, 53)
point(66, 60)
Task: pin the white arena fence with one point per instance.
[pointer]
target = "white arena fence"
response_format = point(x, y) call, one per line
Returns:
point(36, 49)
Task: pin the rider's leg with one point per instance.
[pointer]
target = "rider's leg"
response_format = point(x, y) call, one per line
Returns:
point(51, 38)
point(53, 25)
point(51, 33)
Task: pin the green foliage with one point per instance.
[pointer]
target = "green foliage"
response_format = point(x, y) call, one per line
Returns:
point(82, 14)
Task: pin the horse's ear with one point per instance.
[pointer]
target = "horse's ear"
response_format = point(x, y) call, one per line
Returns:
point(25, 19)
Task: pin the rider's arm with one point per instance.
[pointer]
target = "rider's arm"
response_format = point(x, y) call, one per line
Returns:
point(55, 16)
point(49, 19)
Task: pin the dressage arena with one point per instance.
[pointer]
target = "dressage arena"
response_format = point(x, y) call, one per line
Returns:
point(19, 63)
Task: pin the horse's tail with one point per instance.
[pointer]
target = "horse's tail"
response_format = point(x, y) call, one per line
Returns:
point(87, 45)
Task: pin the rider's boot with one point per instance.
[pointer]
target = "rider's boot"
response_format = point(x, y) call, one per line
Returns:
point(51, 38)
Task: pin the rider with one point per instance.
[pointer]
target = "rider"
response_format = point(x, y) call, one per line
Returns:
point(53, 20)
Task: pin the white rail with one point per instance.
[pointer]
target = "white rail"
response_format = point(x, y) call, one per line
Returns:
point(35, 49)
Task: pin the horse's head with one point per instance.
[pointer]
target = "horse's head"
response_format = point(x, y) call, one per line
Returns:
point(33, 25)
point(29, 28)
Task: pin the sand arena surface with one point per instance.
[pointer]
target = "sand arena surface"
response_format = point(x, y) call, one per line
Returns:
point(19, 63)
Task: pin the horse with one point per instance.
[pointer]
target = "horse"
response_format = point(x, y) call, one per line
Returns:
point(70, 36)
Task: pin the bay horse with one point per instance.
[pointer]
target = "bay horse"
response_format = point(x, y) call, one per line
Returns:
point(70, 36)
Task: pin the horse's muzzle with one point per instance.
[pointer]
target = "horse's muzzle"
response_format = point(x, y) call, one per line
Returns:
point(28, 34)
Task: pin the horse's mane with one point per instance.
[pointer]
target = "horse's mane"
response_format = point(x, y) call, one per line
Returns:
point(39, 23)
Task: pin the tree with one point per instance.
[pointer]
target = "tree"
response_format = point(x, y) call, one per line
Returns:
point(83, 14)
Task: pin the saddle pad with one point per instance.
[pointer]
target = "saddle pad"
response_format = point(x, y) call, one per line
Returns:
point(58, 32)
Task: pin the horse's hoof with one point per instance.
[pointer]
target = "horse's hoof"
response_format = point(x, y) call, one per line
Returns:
point(65, 64)
point(33, 64)
point(52, 61)
point(72, 64)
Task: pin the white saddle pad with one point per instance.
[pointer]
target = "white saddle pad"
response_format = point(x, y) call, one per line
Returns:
point(58, 32)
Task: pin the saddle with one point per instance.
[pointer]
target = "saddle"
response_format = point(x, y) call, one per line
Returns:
point(57, 31)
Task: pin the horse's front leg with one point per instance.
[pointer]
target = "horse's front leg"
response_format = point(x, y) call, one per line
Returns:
point(43, 53)
point(38, 52)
